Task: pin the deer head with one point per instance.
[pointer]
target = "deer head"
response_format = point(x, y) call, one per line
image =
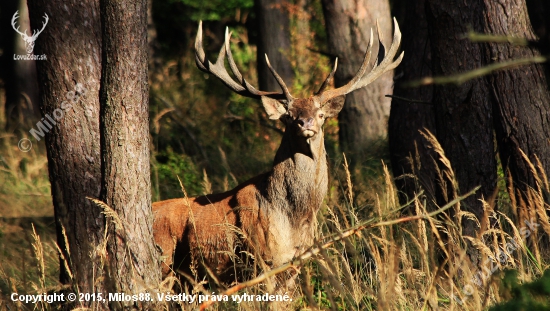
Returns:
point(276, 210)
point(303, 116)
point(29, 41)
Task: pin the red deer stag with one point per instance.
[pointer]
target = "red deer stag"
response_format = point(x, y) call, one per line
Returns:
point(273, 214)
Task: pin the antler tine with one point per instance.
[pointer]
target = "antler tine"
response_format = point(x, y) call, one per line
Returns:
point(235, 69)
point(38, 32)
point(328, 79)
point(199, 52)
point(232, 63)
point(388, 63)
point(13, 19)
point(218, 69)
point(282, 84)
point(360, 79)
point(350, 86)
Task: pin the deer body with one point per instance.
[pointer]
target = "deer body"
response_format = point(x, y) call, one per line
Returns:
point(273, 215)
point(276, 212)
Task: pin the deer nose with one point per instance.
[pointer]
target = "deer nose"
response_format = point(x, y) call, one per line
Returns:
point(305, 123)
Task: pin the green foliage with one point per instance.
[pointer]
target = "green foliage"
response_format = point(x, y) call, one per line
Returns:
point(320, 292)
point(214, 10)
point(168, 167)
point(531, 296)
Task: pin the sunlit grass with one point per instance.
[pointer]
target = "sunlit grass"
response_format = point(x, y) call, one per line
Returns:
point(404, 266)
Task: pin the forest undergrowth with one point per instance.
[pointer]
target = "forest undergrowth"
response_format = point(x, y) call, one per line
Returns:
point(398, 261)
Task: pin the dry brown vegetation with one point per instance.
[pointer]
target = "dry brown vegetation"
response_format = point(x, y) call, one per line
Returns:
point(392, 264)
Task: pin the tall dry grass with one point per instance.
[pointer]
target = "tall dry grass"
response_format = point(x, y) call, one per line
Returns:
point(417, 262)
point(368, 256)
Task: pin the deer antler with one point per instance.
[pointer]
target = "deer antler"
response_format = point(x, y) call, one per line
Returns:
point(241, 86)
point(13, 24)
point(328, 79)
point(362, 78)
point(35, 33)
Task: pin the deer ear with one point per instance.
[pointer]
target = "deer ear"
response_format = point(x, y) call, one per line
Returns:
point(332, 107)
point(273, 107)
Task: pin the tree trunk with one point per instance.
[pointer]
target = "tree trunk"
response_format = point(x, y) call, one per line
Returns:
point(72, 43)
point(273, 40)
point(364, 116)
point(463, 112)
point(411, 156)
point(7, 44)
point(522, 99)
point(133, 265)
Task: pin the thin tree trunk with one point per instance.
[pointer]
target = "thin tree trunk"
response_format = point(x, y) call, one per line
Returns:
point(365, 113)
point(133, 265)
point(7, 43)
point(464, 115)
point(72, 43)
point(22, 108)
point(522, 98)
point(411, 156)
point(273, 40)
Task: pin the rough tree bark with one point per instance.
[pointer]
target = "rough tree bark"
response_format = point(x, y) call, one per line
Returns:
point(411, 156)
point(134, 262)
point(273, 40)
point(364, 116)
point(463, 112)
point(521, 95)
point(72, 44)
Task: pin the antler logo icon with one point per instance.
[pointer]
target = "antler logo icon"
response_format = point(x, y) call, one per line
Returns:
point(29, 41)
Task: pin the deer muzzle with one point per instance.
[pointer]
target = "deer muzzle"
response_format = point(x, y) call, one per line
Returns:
point(306, 127)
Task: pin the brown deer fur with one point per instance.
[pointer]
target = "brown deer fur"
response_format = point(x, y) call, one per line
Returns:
point(275, 211)
point(271, 216)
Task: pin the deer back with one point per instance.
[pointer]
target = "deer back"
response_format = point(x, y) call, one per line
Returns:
point(270, 217)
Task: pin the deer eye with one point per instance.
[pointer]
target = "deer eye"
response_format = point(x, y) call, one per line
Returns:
point(321, 115)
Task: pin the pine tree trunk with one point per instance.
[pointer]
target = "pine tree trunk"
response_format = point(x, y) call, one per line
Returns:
point(72, 43)
point(273, 40)
point(522, 98)
point(364, 116)
point(133, 266)
point(463, 112)
point(411, 155)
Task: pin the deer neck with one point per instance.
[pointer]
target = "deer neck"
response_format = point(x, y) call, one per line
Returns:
point(299, 179)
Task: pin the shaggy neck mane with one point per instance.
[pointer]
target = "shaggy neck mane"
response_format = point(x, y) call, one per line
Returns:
point(298, 181)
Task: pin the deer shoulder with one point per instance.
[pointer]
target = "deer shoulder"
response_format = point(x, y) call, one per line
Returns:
point(271, 216)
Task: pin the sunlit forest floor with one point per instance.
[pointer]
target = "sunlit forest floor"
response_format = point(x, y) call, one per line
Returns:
point(212, 142)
